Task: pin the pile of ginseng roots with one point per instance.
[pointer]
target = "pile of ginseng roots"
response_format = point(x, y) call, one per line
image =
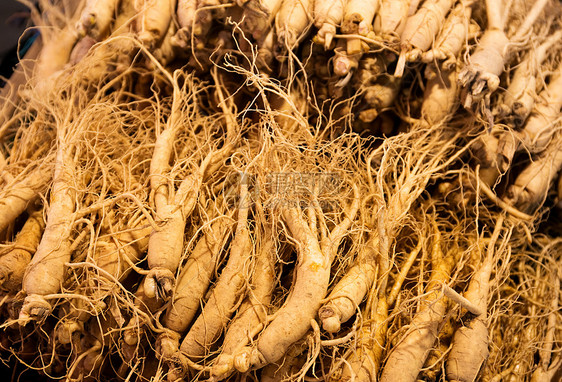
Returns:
point(284, 191)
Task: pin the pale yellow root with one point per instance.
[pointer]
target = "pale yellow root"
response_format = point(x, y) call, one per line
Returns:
point(96, 17)
point(18, 195)
point(548, 367)
point(116, 252)
point(14, 263)
point(383, 92)
point(520, 95)
point(227, 291)
point(481, 76)
point(420, 31)
point(45, 273)
point(408, 357)
point(434, 363)
point(165, 247)
point(113, 259)
point(292, 320)
point(154, 17)
point(485, 150)
point(202, 24)
point(186, 17)
point(289, 365)
point(291, 22)
point(328, 15)
point(266, 54)
point(54, 55)
point(165, 52)
point(362, 365)
point(358, 18)
point(186, 13)
point(193, 282)
point(370, 68)
point(345, 64)
point(530, 189)
point(134, 329)
point(252, 313)
point(470, 342)
point(452, 38)
point(344, 299)
point(65, 330)
point(540, 126)
point(363, 362)
point(390, 20)
point(167, 345)
point(440, 97)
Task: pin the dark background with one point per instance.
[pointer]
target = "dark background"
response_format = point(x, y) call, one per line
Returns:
point(13, 23)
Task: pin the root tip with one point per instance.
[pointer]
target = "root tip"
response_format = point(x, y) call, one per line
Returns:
point(331, 324)
point(242, 359)
point(35, 308)
point(159, 283)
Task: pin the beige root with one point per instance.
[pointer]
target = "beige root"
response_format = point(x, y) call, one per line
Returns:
point(452, 39)
point(259, 15)
point(225, 296)
point(96, 17)
point(420, 31)
point(470, 342)
point(14, 263)
point(532, 185)
point(390, 20)
point(193, 282)
point(328, 15)
point(293, 319)
point(291, 23)
point(153, 20)
point(520, 95)
point(45, 272)
point(348, 293)
point(480, 77)
point(540, 126)
point(252, 313)
point(19, 194)
point(408, 357)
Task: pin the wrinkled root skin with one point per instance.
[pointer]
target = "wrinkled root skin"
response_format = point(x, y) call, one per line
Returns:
point(35, 308)
point(167, 345)
point(246, 358)
point(181, 38)
point(178, 367)
point(222, 370)
point(66, 329)
point(466, 361)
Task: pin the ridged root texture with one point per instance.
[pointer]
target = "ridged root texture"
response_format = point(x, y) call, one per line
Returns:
point(178, 367)
point(66, 329)
point(167, 345)
point(35, 308)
